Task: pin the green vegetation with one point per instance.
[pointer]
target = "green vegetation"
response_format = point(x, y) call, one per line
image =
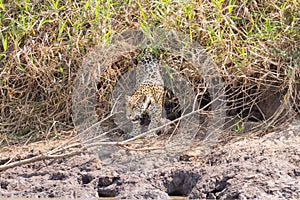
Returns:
point(43, 42)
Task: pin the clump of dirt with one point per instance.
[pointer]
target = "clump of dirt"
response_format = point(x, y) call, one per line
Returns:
point(69, 178)
point(264, 167)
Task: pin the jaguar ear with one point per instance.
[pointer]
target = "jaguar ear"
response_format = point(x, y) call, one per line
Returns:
point(127, 97)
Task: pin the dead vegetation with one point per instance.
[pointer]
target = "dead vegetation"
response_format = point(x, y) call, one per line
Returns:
point(255, 46)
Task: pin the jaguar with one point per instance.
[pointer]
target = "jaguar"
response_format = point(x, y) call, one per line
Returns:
point(147, 99)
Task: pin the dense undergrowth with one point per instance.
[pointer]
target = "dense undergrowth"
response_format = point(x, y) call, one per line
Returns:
point(43, 43)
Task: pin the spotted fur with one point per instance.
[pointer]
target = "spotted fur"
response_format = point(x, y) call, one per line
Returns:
point(147, 98)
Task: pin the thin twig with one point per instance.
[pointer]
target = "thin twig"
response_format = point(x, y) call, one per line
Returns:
point(41, 157)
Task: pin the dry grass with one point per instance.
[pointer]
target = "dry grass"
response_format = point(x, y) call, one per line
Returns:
point(256, 45)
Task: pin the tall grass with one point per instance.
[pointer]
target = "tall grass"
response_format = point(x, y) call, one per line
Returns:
point(43, 42)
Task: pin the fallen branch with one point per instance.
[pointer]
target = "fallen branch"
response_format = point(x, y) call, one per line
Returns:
point(46, 156)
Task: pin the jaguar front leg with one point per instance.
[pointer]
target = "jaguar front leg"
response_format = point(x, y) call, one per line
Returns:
point(136, 129)
point(155, 116)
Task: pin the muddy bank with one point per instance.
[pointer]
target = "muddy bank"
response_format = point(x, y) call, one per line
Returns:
point(267, 167)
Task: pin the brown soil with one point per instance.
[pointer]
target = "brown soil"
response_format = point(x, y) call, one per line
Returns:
point(265, 167)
